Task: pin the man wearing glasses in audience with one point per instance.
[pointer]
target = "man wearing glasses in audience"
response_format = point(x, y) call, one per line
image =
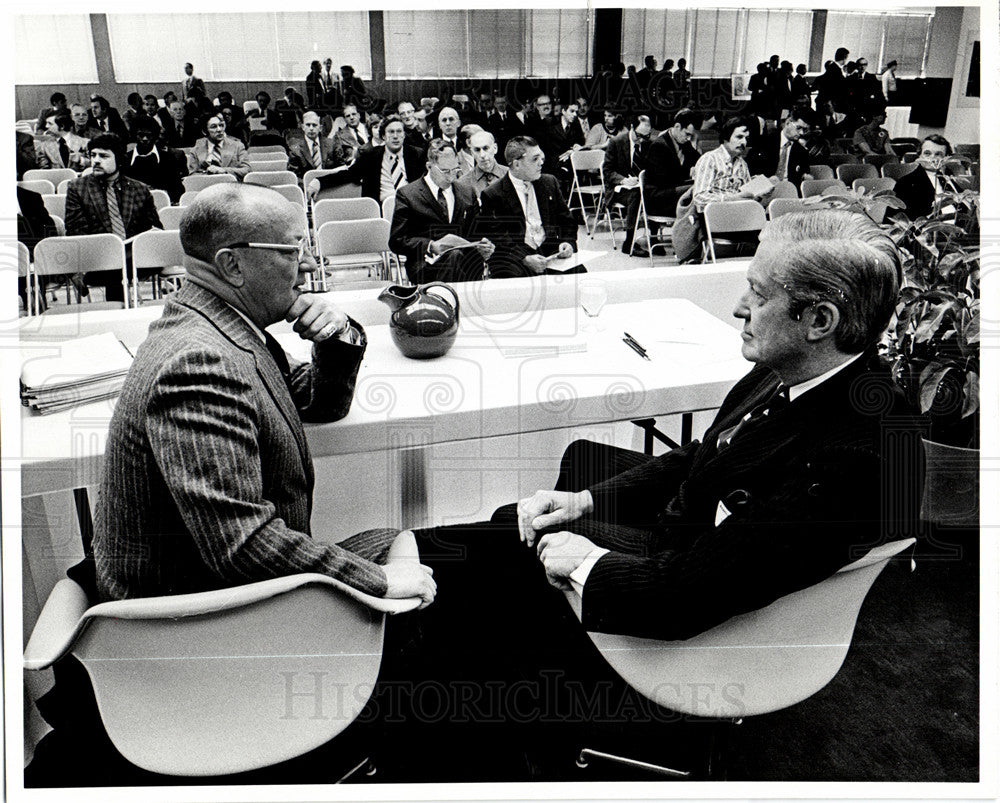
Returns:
point(217, 153)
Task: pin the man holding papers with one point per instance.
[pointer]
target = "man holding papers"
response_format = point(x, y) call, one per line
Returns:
point(434, 220)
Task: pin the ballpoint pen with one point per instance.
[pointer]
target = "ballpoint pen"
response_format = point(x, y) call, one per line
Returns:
point(635, 342)
point(636, 348)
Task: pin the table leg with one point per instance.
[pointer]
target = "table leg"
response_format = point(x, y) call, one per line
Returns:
point(414, 495)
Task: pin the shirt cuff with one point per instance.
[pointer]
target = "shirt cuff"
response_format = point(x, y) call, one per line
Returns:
point(578, 577)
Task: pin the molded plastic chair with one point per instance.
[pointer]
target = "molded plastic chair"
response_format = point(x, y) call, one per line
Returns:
point(815, 186)
point(170, 216)
point(261, 153)
point(784, 189)
point(40, 185)
point(272, 178)
point(821, 171)
point(60, 224)
point(345, 243)
point(53, 174)
point(847, 173)
point(584, 164)
point(187, 198)
point(201, 180)
point(896, 171)
point(389, 206)
point(782, 206)
point(345, 209)
point(835, 160)
point(776, 656)
point(732, 216)
point(292, 192)
point(24, 272)
point(879, 160)
point(208, 683)
point(250, 106)
point(268, 165)
point(161, 198)
point(162, 250)
point(873, 185)
point(55, 204)
point(63, 186)
point(83, 253)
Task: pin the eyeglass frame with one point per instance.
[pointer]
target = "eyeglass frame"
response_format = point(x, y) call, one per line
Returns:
point(287, 248)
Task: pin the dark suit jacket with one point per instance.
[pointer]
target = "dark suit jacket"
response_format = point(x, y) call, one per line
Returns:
point(34, 222)
point(207, 479)
point(418, 219)
point(165, 174)
point(804, 488)
point(502, 222)
point(188, 138)
point(765, 157)
point(504, 130)
point(367, 170)
point(617, 160)
point(299, 160)
point(87, 207)
point(555, 141)
point(115, 124)
point(665, 172)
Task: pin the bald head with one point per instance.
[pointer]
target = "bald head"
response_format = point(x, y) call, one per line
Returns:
point(448, 121)
point(484, 150)
point(310, 125)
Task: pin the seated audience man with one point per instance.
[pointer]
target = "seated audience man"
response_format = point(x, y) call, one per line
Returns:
point(793, 480)
point(151, 107)
point(133, 110)
point(289, 109)
point(535, 116)
point(434, 215)
point(199, 106)
point(502, 122)
point(217, 153)
point(872, 138)
point(920, 188)
point(107, 117)
point(446, 128)
point(722, 174)
point(180, 129)
point(81, 122)
point(57, 103)
point(353, 137)
point(525, 216)
point(313, 152)
point(624, 157)
point(466, 161)
point(107, 201)
point(60, 147)
point(226, 102)
point(414, 136)
point(780, 153)
point(158, 166)
point(486, 170)
point(236, 126)
point(560, 136)
point(381, 170)
point(272, 119)
point(219, 483)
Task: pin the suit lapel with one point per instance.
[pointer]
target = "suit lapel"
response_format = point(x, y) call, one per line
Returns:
point(513, 201)
point(432, 207)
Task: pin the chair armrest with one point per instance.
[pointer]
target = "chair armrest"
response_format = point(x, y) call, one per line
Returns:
point(57, 625)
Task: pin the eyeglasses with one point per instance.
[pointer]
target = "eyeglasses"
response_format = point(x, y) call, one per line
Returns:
point(301, 250)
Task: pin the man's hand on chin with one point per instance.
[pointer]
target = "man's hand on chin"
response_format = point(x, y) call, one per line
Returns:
point(315, 318)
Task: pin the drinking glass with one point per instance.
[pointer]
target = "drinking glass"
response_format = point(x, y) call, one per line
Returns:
point(593, 297)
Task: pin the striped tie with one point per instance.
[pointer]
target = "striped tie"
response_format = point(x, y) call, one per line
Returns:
point(396, 173)
point(215, 158)
point(315, 153)
point(117, 224)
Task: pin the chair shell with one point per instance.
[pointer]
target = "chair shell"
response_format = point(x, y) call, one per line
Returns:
point(261, 153)
point(271, 178)
point(346, 243)
point(53, 174)
point(815, 186)
point(821, 171)
point(63, 186)
point(160, 198)
point(783, 206)
point(55, 204)
point(83, 253)
point(873, 185)
point(389, 206)
point(40, 185)
point(268, 165)
point(345, 209)
point(896, 171)
point(847, 173)
point(187, 198)
point(732, 216)
point(291, 192)
point(199, 181)
point(785, 189)
point(170, 217)
point(250, 106)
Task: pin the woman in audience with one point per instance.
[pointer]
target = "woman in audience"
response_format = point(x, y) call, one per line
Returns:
point(602, 133)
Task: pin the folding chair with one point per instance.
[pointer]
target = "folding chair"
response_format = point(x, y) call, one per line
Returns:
point(24, 272)
point(84, 253)
point(785, 189)
point(732, 216)
point(292, 192)
point(389, 206)
point(815, 186)
point(345, 243)
point(782, 206)
point(187, 198)
point(260, 153)
point(837, 159)
point(821, 171)
point(160, 198)
point(40, 185)
point(53, 174)
point(896, 171)
point(161, 250)
point(873, 185)
point(250, 106)
point(272, 178)
point(345, 209)
point(879, 159)
point(60, 224)
point(63, 186)
point(847, 173)
point(645, 219)
point(201, 180)
point(268, 165)
point(587, 162)
point(55, 204)
point(170, 216)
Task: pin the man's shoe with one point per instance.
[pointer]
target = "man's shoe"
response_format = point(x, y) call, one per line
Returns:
point(639, 251)
point(80, 285)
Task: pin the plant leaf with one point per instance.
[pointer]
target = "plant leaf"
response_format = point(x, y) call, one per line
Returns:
point(927, 328)
point(930, 379)
point(970, 394)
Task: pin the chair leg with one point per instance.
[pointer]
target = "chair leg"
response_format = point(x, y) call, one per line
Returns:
point(587, 755)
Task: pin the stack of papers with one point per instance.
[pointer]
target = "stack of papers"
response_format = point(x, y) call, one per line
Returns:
point(57, 376)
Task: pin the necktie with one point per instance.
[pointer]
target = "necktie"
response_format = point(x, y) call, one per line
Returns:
point(215, 157)
point(64, 152)
point(776, 401)
point(488, 178)
point(280, 359)
point(396, 173)
point(443, 202)
point(314, 153)
point(534, 231)
point(117, 224)
point(783, 160)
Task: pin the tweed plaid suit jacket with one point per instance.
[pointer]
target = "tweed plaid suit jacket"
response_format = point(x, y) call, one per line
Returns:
point(207, 481)
point(87, 207)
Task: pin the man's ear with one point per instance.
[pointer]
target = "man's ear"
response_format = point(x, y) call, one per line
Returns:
point(227, 262)
point(824, 321)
